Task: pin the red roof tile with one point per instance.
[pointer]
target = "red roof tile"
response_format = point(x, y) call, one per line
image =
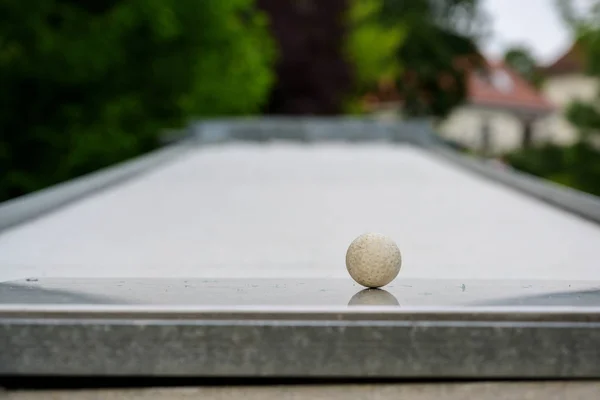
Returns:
point(501, 86)
point(573, 60)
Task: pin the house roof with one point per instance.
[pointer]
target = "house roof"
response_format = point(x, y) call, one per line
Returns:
point(573, 60)
point(498, 85)
point(494, 86)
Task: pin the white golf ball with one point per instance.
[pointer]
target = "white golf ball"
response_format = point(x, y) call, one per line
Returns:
point(373, 260)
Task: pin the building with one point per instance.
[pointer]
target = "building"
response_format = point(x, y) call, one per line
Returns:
point(565, 82)
point(503, 112)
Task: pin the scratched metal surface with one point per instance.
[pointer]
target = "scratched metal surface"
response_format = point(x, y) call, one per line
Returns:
point(282, 328)
point(289, 328)
point(297, 293)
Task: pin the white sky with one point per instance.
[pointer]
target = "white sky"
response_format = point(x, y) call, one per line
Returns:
point(534, 23)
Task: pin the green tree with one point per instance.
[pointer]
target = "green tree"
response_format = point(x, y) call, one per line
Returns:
point(440, 48)
point(373, 46)
point(313, 75)
point(87, 84)
point(585, 115)
point(577, 165)
point(522, 61)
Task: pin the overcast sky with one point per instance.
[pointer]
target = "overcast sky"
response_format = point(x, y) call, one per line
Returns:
point(535, 23)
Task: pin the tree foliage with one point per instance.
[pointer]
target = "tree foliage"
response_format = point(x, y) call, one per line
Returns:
point(522, 61)
point(586, 28)
point(440, 48)
point(577, 165)
point(87, 84)
point(313, 73)
point(373, 46)
point(463, 17)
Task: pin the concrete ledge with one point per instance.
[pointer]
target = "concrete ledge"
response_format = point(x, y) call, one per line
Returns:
point(582, 204)
point(30, 206)
point(534, 390)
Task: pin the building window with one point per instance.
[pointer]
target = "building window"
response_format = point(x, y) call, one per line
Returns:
point(502, 81)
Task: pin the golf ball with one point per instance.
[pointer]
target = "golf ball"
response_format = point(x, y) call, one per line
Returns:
point(373, 260)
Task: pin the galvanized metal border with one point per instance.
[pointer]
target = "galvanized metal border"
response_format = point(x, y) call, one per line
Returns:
point(25, 208)
point(413, 343)
point(573, 201)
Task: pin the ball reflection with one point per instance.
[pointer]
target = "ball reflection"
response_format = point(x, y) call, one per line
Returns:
point(373, 297)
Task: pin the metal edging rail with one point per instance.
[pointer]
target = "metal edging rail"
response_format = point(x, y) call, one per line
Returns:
point(403, 348)
point(584, 205)
point(181, 313)
point(28, 207)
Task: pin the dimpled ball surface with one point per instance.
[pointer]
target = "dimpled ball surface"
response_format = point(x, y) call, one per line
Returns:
point(373, 260)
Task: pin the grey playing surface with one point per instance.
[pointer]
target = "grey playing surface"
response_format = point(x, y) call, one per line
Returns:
point(290, 211)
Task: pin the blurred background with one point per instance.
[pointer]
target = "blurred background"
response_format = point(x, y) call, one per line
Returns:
point(84, 85)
